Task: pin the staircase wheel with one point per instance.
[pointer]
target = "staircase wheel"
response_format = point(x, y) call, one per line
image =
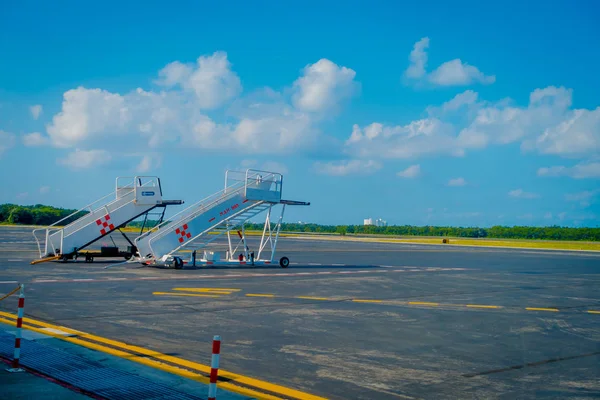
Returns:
point(177, 263)
point(284, 262)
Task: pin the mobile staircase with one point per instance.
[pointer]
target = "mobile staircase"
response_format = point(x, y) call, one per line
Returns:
point(132, 198)
point(246, 194)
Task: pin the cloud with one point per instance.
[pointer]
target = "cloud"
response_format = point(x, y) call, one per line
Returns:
point(183, 115)
point(82, 159)
point(44, 189)
point(457, 182)
point(149, 162)
point(418, 138)
point(323, 86)
point(450, 73)
point(87, 112)
point(467, 97)
point(210, 79)
point(521, 194)
point(418, 59)
point(7, 140)
point(547, 125)
point(349, 167)
point(457, 73)
point(274, 166)
point(35, 139)
point(35, 110)
point(579, 171)
point(583, 198)
point(411, 172)
point(22, 195)
point(271, 166)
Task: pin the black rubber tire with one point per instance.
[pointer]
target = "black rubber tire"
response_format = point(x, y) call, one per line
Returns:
point(89, 259)
point(177, 263)
point(284, 262)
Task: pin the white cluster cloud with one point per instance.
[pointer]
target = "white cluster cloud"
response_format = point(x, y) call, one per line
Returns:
point(411, 172)
point(35, 111)
point(35, 139)
point(460, 181)
point(7, 140)
point(450, 73)
point(82, 159)
point(348, 167)
point(521, 194)
point(210, 79)
point(322, 86)
point(149, 162)
point(578, 171)
point(182, 113)
point(583, 198)
point(44, 189)
point(547, 125)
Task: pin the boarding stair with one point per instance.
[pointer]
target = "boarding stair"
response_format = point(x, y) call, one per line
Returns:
point(132, 198)
point(246, 194)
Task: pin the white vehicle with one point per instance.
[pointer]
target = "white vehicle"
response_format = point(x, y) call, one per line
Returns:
point(246, 194)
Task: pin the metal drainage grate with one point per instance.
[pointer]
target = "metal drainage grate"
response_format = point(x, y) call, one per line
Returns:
point(88, 375)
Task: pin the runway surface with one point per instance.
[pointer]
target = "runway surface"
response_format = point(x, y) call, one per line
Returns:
point(346, 320)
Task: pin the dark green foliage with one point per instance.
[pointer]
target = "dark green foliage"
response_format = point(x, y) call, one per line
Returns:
point(498, 232)
point(45, 215)
point(35, 215)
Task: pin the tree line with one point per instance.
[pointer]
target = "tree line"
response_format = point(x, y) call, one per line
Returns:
point(496, 232)
point(40, 214)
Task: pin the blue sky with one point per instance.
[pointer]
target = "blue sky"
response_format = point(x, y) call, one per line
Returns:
point(414, 112)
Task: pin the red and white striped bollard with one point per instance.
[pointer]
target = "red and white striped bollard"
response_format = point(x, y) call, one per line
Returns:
point(17, 354)
point(214, 368)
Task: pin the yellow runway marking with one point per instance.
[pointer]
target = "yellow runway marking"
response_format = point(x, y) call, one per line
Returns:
point(208, 289)
point(184, 294)
point(593, 312)
point(366, 301)
point(232, 377)
point(259, 295)
point(422, 303)
point(481, 306)
point(312, 298)
point(541, 309)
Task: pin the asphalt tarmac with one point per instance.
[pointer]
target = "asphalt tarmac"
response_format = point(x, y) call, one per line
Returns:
point(346, 320)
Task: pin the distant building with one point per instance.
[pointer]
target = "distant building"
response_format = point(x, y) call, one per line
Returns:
point(380, 222)
point(377, 222)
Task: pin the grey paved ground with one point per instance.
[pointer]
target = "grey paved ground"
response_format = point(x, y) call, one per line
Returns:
point(341, 348)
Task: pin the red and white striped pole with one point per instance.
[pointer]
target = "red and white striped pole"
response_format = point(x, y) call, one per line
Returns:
point(214, 368)
point(17, 354)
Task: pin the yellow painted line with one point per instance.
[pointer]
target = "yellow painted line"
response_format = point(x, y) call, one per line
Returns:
point(280, 390)
point(227, 290)
point(366, 301)
point(311, 298)
point(184, 294)
point(259, 295)
point(202, 291)
point(481, 306)
point(593, 312)
point(422, 303)
point(541, 309)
